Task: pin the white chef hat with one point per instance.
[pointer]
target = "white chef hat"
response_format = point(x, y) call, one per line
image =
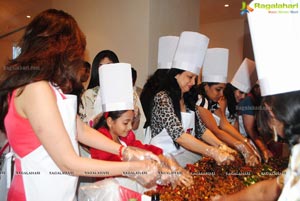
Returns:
point(215, 65)
point(275, 34)
point(166, 50)
point(245, 77)
point(190, 52)
point(116, 87)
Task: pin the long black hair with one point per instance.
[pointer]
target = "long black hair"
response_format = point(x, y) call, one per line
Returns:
point(231, 102)
point(170, 85)
point(151, 87)
point(95, 65)
point(286, 108)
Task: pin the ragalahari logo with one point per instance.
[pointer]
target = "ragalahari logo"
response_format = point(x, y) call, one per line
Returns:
point(245, 8)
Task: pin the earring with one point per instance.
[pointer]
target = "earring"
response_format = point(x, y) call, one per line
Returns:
point(275, 135)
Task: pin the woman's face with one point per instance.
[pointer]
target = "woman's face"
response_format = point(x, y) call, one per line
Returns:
point(215, 91)
point(105, 60)
point(185, 81)
point(122, 125)
point(239, 95)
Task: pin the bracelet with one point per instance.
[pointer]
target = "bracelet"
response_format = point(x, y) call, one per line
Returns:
point(120, 151)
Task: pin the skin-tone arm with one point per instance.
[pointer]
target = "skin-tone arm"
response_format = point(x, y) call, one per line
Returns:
point(227, 127)
point(38, 104)
point(241, 145)
point(211, 139)
point(223, 105)
point(211, 124)
point(250, 128)
point(189, 142)
point(261, 191)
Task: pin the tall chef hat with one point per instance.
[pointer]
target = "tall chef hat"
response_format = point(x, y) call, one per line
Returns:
point(166, 50)
point(190, 52)
point(215, 65)
point(276, 41)
point(116, 87)
point(245, 77)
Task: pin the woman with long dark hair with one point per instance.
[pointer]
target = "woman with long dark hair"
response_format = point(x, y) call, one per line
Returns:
point(40, 119)
point(239, 106)
point(172, 121)
point(209, 112)
point(87, 108)
point(166, 50)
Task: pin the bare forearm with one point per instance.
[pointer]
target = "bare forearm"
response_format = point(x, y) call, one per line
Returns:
point(225, 137)
point(210, 138)
point(92, 138)
point(232, 131)
point(191, 143)
point(99, 168)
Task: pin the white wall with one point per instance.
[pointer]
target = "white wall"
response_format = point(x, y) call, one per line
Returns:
point(227, 34)
point(170, 17)
point(6, 45)
point(131, 28)
point(121, 26)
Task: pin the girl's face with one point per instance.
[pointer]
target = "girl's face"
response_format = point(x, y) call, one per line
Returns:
point(215, 92)
point(122, 125)
point(186, 80)
point(239, 95)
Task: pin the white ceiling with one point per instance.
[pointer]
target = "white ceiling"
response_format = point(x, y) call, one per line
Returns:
point(13, 13)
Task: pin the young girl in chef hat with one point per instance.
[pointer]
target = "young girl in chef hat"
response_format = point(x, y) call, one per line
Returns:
point(116, 122)
point(214, 79)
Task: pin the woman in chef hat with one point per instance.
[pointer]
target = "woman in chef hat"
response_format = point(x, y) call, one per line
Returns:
point(116, 122)
point(276, 61)
point(172, 122)
point(210, 91)
point(243, 116)
point(166, 50)
point(40, 120)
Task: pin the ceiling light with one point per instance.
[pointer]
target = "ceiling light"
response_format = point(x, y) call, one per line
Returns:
point(28, 16)
point(226, 5)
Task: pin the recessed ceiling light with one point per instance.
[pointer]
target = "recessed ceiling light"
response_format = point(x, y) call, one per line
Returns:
point(226, 5)
point(28, 16)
